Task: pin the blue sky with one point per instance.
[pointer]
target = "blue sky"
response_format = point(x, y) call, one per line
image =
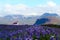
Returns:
point(28, 7)
point(28, 2)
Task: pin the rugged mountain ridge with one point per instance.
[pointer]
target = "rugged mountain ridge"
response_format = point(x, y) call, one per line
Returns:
point(9, 19)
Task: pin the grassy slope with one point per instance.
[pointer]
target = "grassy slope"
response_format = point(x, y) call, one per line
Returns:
point(52, 25)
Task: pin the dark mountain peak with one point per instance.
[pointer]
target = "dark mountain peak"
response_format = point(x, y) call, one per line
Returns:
point(49, 14)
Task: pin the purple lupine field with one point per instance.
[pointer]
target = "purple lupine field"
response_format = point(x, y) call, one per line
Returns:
point(28, 32)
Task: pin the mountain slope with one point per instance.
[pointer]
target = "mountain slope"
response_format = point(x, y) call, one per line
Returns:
point(41, 21)
point(21, 19)
point(48, 18)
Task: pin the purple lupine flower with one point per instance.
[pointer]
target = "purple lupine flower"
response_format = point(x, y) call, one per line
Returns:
point(48, 31)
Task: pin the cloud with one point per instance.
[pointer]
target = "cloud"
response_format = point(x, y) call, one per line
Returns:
point(7, 8)
point(22, 9)
point(19, 9)
point(48, 4)
point(14, 9)
point(51, 4)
